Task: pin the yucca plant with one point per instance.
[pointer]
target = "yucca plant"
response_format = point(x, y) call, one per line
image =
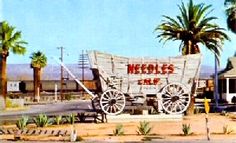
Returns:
point(119, 130)
point(22, 122)
point(186, 129)
point(144, 128)
point(227, 129)
point(42, 120)
point(58, 119)
point(71, 118)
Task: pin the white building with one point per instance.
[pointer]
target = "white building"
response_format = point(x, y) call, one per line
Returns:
point(13, 86)
point(227, 83)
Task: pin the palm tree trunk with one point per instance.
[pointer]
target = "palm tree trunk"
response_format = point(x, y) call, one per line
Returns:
point(36, 83)
point(3, 81)
point(190, 110)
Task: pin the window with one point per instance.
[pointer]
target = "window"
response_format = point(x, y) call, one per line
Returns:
point(232, 85)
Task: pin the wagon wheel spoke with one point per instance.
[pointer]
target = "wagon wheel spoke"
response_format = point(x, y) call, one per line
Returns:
point(181, 105)
point(169, 104)
point(168, 93)
point(166, 102)
point(104, 102)
point(180, 91)
point(110, 94)
point(120, 104)
point(174, 98)
point(183, 97)
point(117, 107)
point(119, 97)
point(105, 98)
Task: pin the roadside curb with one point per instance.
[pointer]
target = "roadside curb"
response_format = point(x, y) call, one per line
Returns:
point(130, 118)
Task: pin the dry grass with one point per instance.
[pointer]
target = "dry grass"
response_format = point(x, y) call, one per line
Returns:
point(162, 130)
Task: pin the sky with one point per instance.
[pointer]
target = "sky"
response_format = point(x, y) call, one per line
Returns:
point(121, 27)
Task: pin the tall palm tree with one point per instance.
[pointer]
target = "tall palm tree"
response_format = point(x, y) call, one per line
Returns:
point(10, 42)
point(231, 14)
point(192, 27)
point(38, 61)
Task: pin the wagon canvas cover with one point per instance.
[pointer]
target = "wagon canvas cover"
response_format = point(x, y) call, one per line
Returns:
point(144, 75)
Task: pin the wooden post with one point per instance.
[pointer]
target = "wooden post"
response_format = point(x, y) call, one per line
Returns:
point(207, 109)
point(55, 93)
point(207, 127)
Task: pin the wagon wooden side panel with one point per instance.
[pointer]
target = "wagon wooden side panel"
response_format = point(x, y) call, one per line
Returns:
point(170, 79)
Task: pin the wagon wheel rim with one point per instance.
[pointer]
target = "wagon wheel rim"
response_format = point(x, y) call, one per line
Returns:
point(112, 102)
point(175, 98)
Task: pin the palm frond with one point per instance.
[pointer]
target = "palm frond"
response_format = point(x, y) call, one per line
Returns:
point(38, 59)
point(11, 40)
point(192, 26)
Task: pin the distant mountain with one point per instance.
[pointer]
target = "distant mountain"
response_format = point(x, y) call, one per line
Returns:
point(206, 71)
point(53, 72)
point(50, 72)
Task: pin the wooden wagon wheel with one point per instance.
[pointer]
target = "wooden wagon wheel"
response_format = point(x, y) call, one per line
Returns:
point(112, 102)
point(175, 98)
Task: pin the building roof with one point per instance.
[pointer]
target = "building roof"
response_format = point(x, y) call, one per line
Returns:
point(230, 70)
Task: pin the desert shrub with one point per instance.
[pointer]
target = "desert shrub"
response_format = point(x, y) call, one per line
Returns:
point(227, 129)
point(233, 100)
point(197, 110)
point(119, 130)
point(186, 129)
point(79, 138)
point(68, 97)
point(58, 119)
point(224, 113)
point(10, 104)
point(71, 118)
point(144, 128)
point(22, 122)
point(42, 120)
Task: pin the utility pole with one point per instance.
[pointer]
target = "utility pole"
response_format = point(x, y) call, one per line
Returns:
point(62, 78)
point(83, 64)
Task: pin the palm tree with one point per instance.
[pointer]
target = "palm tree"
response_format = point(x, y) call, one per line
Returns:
point(231, 14)
point(38, 61)
point(192, 27)
point(10, 42)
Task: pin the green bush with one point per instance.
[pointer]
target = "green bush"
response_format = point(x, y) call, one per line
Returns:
point(119, 130)
point(68, 97)
point(186, 129)
point(79, 138)
point(42, 120)
point(227, 129)
point(22, 123)
point(224, 113)
point(144, 128)
point(58, 119)
point(71, 118)
point(9, 104)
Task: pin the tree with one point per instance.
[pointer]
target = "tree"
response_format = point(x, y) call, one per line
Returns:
point(193, 26)
point(10, 42)
point(38, 61)
point(231, 14)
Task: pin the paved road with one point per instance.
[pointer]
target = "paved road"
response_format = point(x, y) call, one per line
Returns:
point(49, 109)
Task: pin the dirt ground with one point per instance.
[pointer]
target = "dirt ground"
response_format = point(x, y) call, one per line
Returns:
point(161, 130)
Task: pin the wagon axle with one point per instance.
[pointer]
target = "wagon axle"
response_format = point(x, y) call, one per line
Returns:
point(174, 99)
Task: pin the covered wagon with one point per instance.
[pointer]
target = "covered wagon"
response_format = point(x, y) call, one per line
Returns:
point(133, 80)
